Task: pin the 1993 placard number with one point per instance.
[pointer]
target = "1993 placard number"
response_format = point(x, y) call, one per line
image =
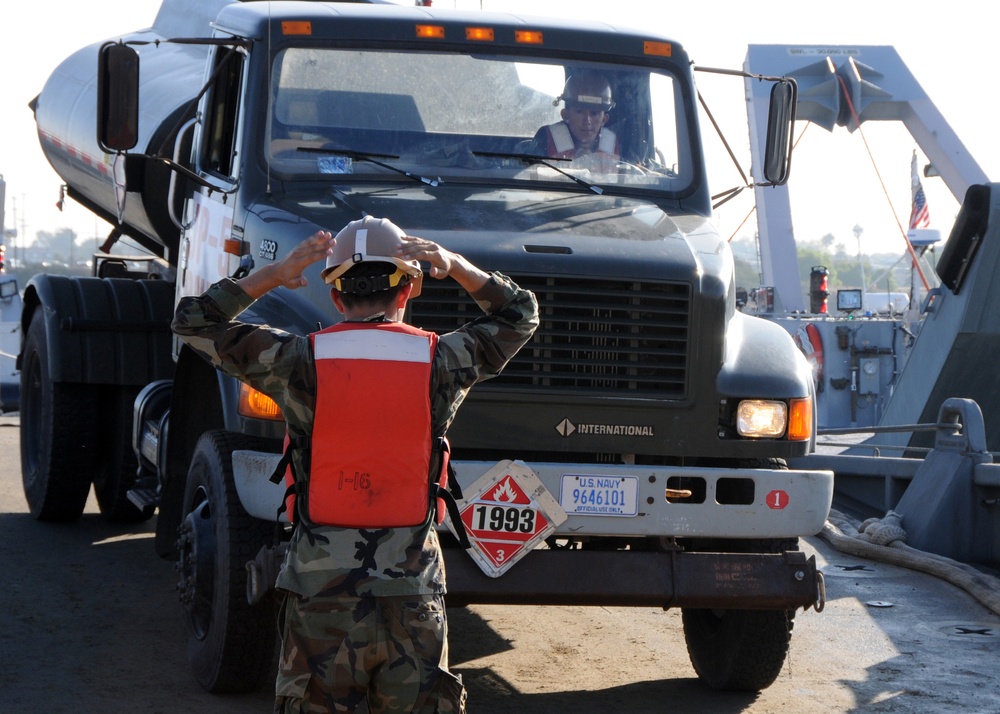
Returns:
point(503, 519)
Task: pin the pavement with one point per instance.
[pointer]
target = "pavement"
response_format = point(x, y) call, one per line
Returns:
point(890, 639)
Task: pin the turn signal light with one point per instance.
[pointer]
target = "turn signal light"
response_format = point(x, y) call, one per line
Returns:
point(800, 419)
point(257, 405)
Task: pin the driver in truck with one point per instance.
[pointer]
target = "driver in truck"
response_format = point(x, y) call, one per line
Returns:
point(582, 131)
point(362, 617)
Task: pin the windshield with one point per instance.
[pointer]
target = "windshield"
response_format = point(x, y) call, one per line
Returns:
point(460, 118)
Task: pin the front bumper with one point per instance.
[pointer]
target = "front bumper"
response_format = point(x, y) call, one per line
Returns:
point(642, 579)
point(781, 504)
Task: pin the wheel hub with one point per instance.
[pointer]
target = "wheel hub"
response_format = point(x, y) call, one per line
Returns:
point(196, 566)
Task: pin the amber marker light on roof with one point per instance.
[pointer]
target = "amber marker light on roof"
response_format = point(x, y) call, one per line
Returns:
point(483, 34)
point(528, 37)
point(296, 27)
point(661, 49)
point(430, 32)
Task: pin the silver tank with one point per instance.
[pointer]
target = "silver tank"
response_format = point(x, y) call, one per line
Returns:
point(170, 77)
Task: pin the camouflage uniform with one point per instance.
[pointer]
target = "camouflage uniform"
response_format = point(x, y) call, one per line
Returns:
point(346, 596)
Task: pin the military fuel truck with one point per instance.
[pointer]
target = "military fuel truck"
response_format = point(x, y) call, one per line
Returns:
point(654, 418)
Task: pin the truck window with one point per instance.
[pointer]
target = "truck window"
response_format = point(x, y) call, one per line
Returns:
point(219, 143)
point(440, 113)
point(666, 122)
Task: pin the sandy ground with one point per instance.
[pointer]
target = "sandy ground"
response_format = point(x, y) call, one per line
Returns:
point(90, 622)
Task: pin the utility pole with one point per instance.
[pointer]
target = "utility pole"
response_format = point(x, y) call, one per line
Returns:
point(3, 204)
point(13, 231)
point(22, 236)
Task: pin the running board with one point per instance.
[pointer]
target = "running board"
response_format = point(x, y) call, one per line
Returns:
point(143, 498)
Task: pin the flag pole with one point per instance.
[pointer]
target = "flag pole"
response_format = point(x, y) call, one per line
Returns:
point(919, 217)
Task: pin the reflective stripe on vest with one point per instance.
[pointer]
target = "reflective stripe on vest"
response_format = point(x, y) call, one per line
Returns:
point(371, 441)
point(562, 140)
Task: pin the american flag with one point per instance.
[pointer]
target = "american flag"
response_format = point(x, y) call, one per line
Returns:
point(920, 217)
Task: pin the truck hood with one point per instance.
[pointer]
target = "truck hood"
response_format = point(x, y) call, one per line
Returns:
point(530, 231)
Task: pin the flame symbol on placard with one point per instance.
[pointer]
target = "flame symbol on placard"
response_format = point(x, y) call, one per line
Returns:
point(504, 492)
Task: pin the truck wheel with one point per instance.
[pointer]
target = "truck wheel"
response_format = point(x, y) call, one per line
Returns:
point(737, 650)
point(117, 465)
point(58, 434)
point(230, 642)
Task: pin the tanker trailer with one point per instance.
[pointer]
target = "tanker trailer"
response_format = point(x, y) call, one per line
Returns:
point(93, 345)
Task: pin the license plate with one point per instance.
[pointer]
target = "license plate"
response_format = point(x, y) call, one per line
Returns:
point(600, 495)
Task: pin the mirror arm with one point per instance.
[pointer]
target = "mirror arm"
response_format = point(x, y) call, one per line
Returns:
point(189, 174)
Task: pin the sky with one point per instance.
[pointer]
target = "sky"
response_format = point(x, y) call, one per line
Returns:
point(834, 187)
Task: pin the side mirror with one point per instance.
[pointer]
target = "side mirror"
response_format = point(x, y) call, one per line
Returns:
point(117, 98)
point(780, 119)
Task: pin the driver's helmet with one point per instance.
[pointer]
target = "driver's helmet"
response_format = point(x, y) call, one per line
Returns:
point(589, 90)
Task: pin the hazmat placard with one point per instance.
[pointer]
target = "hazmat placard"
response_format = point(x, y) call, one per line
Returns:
point(507, 512)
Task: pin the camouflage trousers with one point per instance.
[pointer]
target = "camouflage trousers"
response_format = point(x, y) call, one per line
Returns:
point(391, 653)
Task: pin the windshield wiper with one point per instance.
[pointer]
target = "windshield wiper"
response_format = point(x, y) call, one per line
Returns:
point(531, 160)
point(371, 159)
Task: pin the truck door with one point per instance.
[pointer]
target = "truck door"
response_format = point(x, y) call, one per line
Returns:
point(208, 215)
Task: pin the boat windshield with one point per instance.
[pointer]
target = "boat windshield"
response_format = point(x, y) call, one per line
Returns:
point(453, 118)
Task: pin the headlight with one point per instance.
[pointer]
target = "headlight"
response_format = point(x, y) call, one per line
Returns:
point(760, 418)
point(764, 418)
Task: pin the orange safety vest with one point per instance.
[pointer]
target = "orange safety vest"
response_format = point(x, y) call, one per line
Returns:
point(371, 443)
point(560, 143)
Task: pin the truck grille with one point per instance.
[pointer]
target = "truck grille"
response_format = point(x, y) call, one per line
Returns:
point(596, 337)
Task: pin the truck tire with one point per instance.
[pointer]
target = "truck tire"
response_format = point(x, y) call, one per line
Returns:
point(117, 465)
point(740, 650)
point(230, 642)
point(58, 434)
point(737, 650)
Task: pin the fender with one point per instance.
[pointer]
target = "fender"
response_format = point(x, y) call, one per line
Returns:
point(760, 362)
point(103, 330)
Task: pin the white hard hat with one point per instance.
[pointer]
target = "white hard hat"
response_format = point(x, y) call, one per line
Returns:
point(589, 90)
point(370, 240)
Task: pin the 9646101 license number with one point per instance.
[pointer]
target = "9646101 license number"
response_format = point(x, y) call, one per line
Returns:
point(600, 495)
